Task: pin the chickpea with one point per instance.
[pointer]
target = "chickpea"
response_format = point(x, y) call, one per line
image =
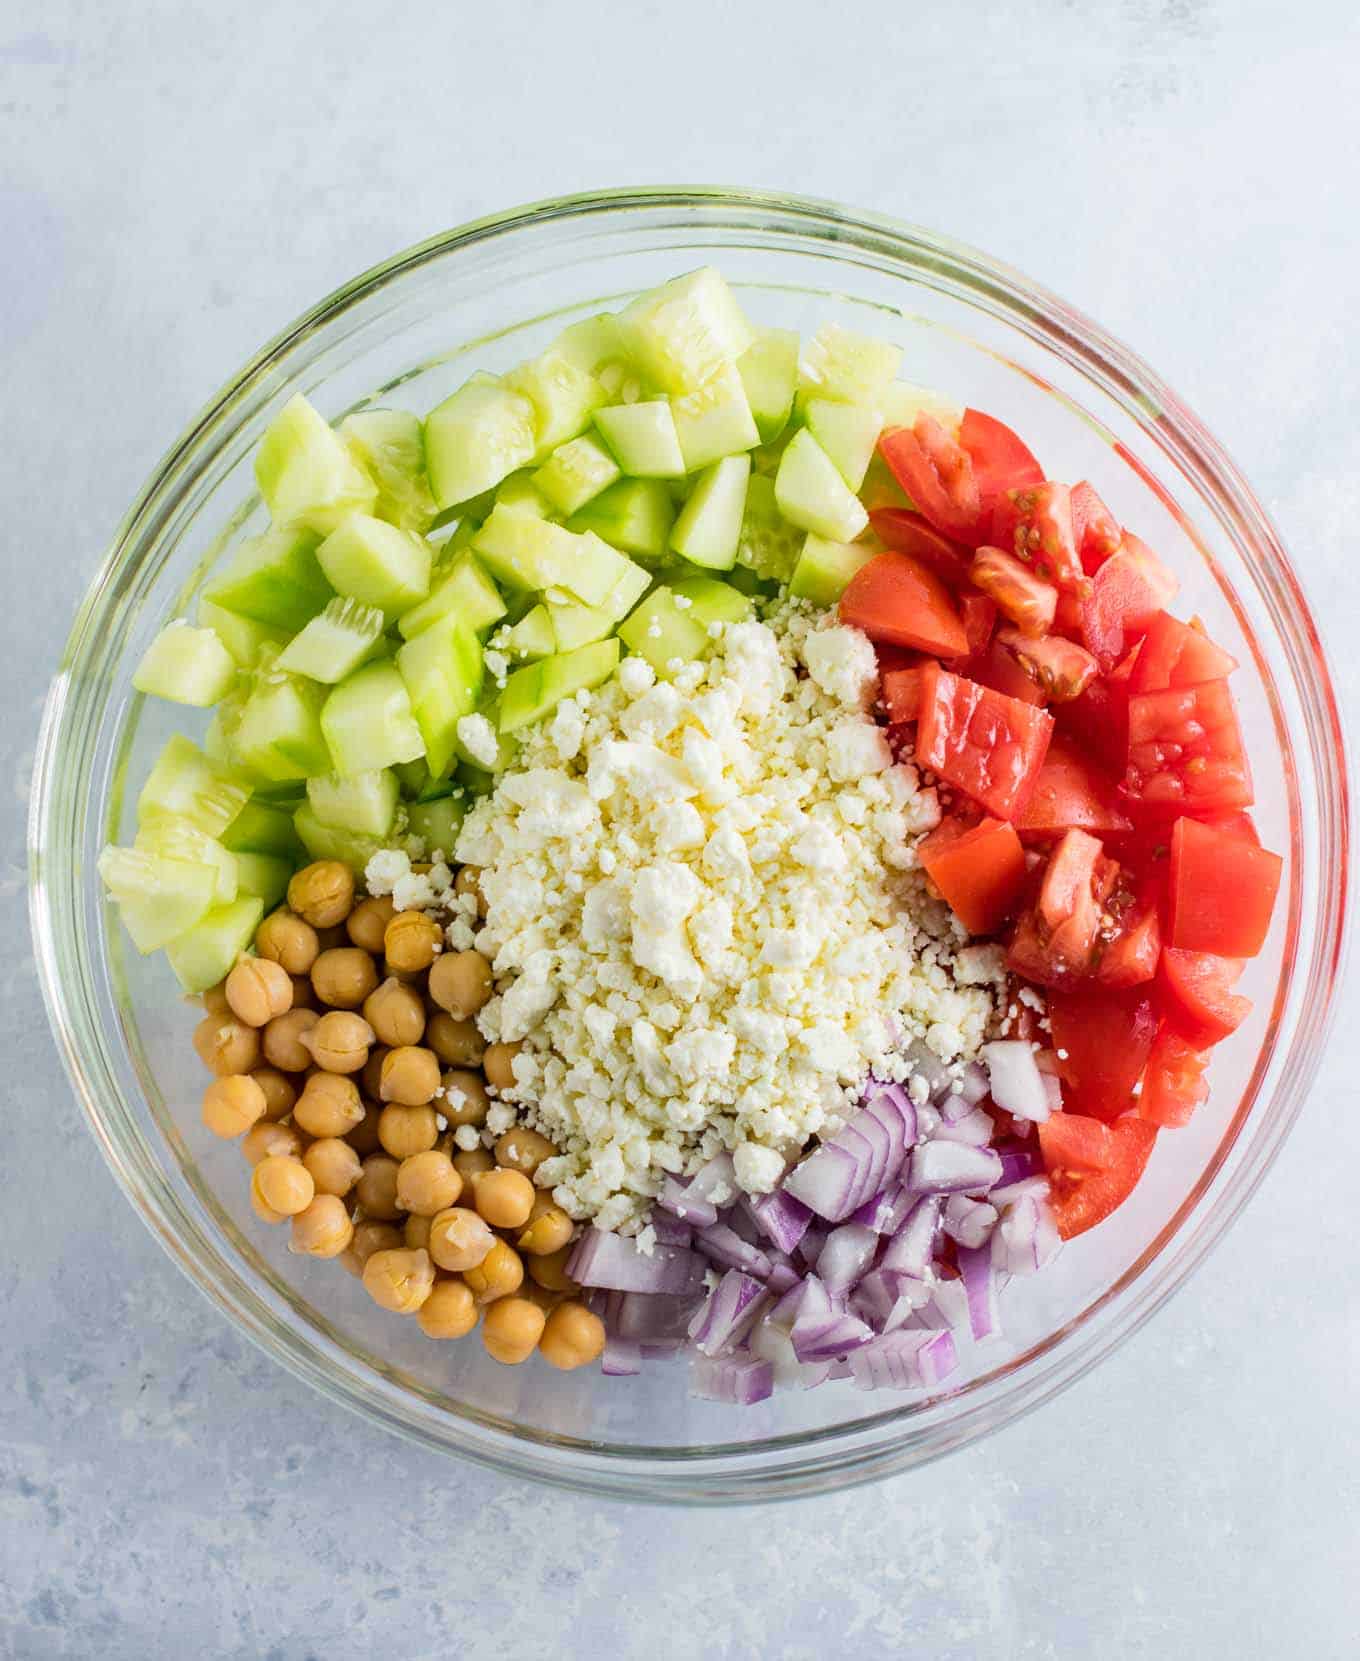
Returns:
point(471, 1162)
point(459, 1239)
point(340, 1041)
point(399, 1280)
point(328, 1106)
point(572, 1336)
point(232, 1105)
point(285, 939)
point(500, 1273)
point(344, 977)
point(468, 881)
point(282, 1040)
point(215, 1000)
point(279, 1092)
point(456, 1043)
point(303, 995)
point(548, 1229)
point(226, 1045)
point(376, 1189)
point(465, 1098)
point(283, 1184)
point(550, 1271)
point(258, 989)
point(265, 1138)
point(323, 1229)
point(369, 1237)
point(364, 1137)
point(410, 1076)
point(522, 1149)
point(511, 1328)
point(427, 1182)
point(460, 983)
point(322, 893)
point(367, 923)
point(499, 1065)
point(406, 1131)
point(504, 1198)
point(411, 942)
point(448, 1312)
point(333, 1164)
point(396, 1013)
point(416, 1233)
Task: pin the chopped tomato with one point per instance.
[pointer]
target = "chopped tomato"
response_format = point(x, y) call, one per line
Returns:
point(902, 694)
point(1223, 891)
point(1131, 956)
point(1075, 1143)
point(1001, 461)
point(979, 619)
point(1098, 718)
point(1174, 654)
point(979, 869)
point(907, 533)
point(989, 746)
point(1080, 1202)
point(1035, 524)
point(1198, 996)
point(1055, 940)
point(936, 474)
point(1093, 525)
point(1127, 592)
point(999, 668)
point(1060, 668)
point(1185, 750)
point(896, 598)
point(1018, 593)
point(1071, 793)
point(1103, 1038)
point(1174, 1084)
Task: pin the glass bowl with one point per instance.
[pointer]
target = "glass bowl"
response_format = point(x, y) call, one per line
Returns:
point(406, 333)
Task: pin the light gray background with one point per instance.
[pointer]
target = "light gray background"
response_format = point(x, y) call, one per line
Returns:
point(177, 180)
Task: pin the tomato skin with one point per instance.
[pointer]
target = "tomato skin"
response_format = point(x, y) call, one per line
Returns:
point(1197, 995)
point(1001, 460)
point(1071, 793)
point(1174, 1084)
point(1185, 750)
point(902, 695)
point(908, 533)
point(979, 869)
point(987, 745)
point(897, 599)
point(1174, 654)
point(1028, 601)
point(1126, 593)
point(1060, 668)
point(1094, 527)
point(1076, 1143)
point(1104, 1037)
point(1078, 1203)
point(1035, 524)
point(1223, 891)
point(936, 474)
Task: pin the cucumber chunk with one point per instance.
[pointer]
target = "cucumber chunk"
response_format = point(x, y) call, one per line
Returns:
point(389, 445)
point(363, 802)
point(534, 691)
point(854, 368)
point(812, 494)
point(274, 579)
point(474, 439)
point(536, 554)
point(243, 637)
point(563, 395)
point(158, 897)
point(437, 822)
point(671, 625)
point(642, 439)
point(331, 842)
point(442, 671)
point(375, 563)
point(278, 732)
point(208, 951)
point(175, 838)
point(306, 472)
point(368, 723)
point(185, 783)
point(264, 876)
point(824, 568)
point(186, 666)
point(532, 636)
point(576, 472)
point(768, 545)
point(714, 421)
point(262, 827)
point(461, 589)
point(769, 372)
point(634, 515)
point(681, 334)
point(848, 434)
point(334, 644)
point(708, 530)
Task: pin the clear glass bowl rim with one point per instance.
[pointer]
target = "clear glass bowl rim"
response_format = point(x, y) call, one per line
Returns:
point(894, 1440)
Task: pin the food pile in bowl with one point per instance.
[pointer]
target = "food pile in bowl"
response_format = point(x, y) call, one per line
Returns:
point(701, 847)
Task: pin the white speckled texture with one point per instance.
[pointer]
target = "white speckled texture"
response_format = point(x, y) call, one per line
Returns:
point(176, 181)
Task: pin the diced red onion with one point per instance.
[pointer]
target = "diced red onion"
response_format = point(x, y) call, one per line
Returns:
point(969, 1222)
point(740, 1381)
point(848, 1252)
point(622, 1357)
point(979, 1285)
point(723, 1245)
point(727, 1314)
point(912, 1248)
point(678, 1200)
point(951, 1168)
point(1017, 1084)
point(973, 1130)
point(613, 1261)
point(654, 1318)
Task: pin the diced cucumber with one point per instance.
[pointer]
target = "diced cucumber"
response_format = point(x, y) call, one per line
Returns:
point(475, 438)
point(520, 494)
point(184, 782)
point(714, 420)
point(461, 589)
point(243, 637)
point(848, 434)
point(902, 403)
point(377, 564)
point(274, 579)
point(158, 898)
point(768, 544)
point(824, 568)
point(363, 802)
point(278, 732)
point(635, 515)
point(672, 623)
point(708, 530)
point(532, 636)
point(591, 343)
point(186, 665)
point(563, 395)
point(437, 822)
point(855, 368)
point(207, 953)
point(576, 472)
point(306, 472)
point(389, 445)
point(879, 489)
point(812, 494)
point(682, 333)
point(368, 722)
point(331, 842)
point(334, 644)
point(264, 876)
point(536, 554)
point(262, 828)
point(769, 372)
point(642, 439)
point(174, 838)
point(532, 692)
point(442, 671)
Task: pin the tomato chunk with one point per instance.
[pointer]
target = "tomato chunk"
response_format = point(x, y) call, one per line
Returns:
point(1198, 997)
point(1079, 1202)
point(908, 533)
point(936, 474)
point(1027, 600)
point(989, 746)
point(1071, 793)
point(1175, 654)
point(1127, 592)
point(979, 869)
point(1001, 461)
point(902, 694)
point(1093, 525)
point(1222, 891)
point(1060, 668)
point(1103, 1038)
point(1035, 524)
point(1185, 750)
point(1174, 1084)
point(896, 598)
point(1075, 1143)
